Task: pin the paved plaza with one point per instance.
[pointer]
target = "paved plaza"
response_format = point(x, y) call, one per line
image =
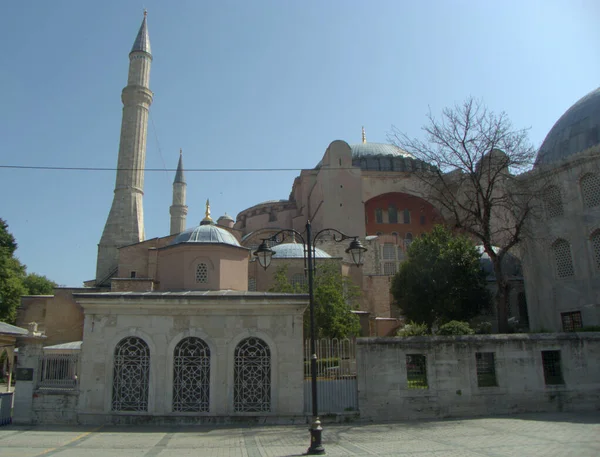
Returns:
point(526, 435)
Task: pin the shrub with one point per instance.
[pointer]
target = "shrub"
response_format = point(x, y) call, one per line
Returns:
point(589, 328)
point(455, 328)
point(483, 328)
point(413, 329)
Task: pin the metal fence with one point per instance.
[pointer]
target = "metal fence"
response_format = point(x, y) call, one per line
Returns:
point(6, 408)
point(337, 388)
point(58, 371)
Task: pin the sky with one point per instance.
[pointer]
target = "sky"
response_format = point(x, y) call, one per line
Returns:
point(261, 84)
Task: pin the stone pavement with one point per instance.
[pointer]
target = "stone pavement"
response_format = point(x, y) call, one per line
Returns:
point(564, 434)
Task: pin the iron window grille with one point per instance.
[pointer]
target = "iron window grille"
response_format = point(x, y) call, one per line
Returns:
point(595, 240)
point(416, 371)
point(563, 260)
point(590, 190)
point(252, 376)
point(553, 202)
point(202, 273)
point(191, 376)
point(486, 369)
point(552, 370)
point(571, 321)
point(131, 375)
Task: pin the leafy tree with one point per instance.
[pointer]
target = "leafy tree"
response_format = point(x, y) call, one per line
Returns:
point(441, 280)
point(14, 281)
point(335, 297)
point(475, 156)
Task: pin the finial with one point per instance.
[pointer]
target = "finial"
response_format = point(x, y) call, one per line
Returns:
point(180, 151)
point(145, 12)
point(364, 135)
point(207, 219)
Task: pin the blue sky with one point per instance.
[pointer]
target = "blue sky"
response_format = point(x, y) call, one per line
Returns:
point(253, 84)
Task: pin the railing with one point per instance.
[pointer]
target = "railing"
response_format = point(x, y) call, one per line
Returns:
point(337, 389)
point(58, 371)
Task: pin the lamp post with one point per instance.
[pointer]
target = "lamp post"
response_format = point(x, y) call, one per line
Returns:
point(264, 255)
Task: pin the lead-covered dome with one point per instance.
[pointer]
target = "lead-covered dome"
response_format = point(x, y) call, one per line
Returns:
point(295, 251)
point(377, 149)
point(206, 233)
point(576, 130)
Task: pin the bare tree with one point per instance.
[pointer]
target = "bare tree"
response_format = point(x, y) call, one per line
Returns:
point(475, 157)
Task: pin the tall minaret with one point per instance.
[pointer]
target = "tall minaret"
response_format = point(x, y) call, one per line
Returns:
point(125, 223)
point(178, 209)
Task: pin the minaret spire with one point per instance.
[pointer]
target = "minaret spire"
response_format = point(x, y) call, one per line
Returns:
point(207, 219)
point(179, 209)
point(125, 222)
point(364, 135)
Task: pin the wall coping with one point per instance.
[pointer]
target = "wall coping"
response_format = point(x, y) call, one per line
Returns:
point(480, 339)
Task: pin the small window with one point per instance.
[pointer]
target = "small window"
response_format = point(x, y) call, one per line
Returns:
point(571, 321)
point(416, 371)
point(422, 219)
point(552, 371)
point(486, 369)
point(392, 214)
point(407, 216)
point(553, 202)
point(595, 241)
point(562, 258)
point(590, 190)
point(252, 285)
point(132, 275)
point(201, 273)
point(378, 216)
point(389, 251)
point(408, 239)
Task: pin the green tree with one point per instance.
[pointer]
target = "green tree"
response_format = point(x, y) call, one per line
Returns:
point(441, 280)
point(335, 298)
point(14, 281)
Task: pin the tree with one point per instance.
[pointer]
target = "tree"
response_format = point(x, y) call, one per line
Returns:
point(335, 297)
point(472, 160)
point(14, 281)
point(441, 280)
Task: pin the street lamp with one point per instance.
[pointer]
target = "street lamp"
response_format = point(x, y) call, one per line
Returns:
point(264, 255)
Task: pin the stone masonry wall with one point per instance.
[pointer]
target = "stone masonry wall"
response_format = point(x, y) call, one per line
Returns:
point(451, 388)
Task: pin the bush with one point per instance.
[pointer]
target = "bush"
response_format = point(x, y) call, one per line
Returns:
point(483, 328)
point(455, 328)
point(589, 328)
point(413, 329)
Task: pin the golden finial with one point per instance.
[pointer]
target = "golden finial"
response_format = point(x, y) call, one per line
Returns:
point(364, 135)
point(207, 217)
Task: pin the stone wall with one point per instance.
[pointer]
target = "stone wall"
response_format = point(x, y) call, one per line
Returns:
point(452, 389)
point(54, 407)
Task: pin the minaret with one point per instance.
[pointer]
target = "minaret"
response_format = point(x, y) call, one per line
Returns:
point(125, 223)
point(364, 135)
point(178, 209)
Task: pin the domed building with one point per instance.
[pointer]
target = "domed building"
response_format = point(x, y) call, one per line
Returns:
point(561, 255)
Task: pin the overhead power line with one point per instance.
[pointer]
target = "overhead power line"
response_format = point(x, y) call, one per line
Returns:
point(187, 170)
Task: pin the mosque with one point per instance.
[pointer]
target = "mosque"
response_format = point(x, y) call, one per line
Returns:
point(198, 292)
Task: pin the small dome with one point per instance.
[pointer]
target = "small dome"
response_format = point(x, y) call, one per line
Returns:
point(576, 130)
point(295, 251)
point(206, 233)
point(225, 217)
point(377, 149)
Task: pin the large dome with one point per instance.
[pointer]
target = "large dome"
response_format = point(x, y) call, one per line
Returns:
point(576, 130)
point(376, 149)
point(206, 233)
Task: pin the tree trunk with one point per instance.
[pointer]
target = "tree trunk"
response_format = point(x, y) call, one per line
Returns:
point(502, 298)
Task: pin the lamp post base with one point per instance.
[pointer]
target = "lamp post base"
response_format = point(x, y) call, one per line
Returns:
point(316, 446)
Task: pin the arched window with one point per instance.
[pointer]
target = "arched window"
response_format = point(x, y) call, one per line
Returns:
point(131, 375)
point(553, 202)
point(562, 259)
point(191, 375)
point(595, 241)
point(252, 376)
point(392, 214)
point(378, 215)
point(590, 190)
point(201, 273)
point(407, 216)
point(298, 280)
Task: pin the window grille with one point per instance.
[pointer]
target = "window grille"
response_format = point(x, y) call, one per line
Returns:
point(392, 214)
point(551, 364)
point(378, 216)
point(202, 273)
point(389, 251)
point(416, 371)
point(58, 371)
point(553, 202)
point(252, 285)
point(571, 321)
point(486, 369)
point(252, 376)
point(191, 375)
point(298, 281)
point(595, 240)
point(407, 216)
point(389, 268)
point(562, 258)
point(590, 190)
point(131, 375)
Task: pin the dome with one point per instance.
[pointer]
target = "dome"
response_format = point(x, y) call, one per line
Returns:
point(295, 251)
point(376, 149)
point(226, 217)
point(206, 233)
point(576, 130)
